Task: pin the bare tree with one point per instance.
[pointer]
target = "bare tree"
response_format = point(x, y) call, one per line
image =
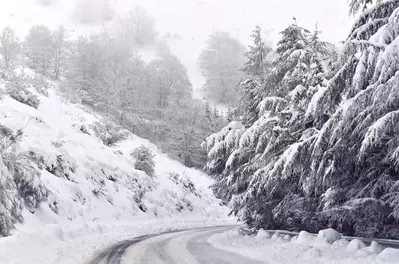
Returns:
point(220, 62)
point(138, 27)
point(38, 46)
point(59, 46)
point(9, 47)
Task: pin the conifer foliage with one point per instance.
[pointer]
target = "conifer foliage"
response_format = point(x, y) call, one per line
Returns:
point(322, 149)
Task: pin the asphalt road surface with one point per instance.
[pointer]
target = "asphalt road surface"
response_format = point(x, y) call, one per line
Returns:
point(183, 247)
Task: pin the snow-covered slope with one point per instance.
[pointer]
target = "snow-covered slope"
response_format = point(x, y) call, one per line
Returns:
point(98, 187)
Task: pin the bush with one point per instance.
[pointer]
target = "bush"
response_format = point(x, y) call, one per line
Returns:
point(27, 178)
point(17, 88)
point(185, 181)
point(41, 85)
point(10, 207)
point(20, 180)
point(64, 167)
point(144, 160)
point(109, 134)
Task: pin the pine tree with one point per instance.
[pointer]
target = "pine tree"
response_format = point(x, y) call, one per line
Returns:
point(257, 56)
point(360, 5)
point(291, 59)
point(325, 153)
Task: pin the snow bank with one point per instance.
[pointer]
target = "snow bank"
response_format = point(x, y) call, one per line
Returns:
point(389, 255)
point(303, 250)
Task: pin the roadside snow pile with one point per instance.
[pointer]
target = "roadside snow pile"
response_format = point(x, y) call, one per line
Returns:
point(262, 234)
point(88, 183)
point(327, 248)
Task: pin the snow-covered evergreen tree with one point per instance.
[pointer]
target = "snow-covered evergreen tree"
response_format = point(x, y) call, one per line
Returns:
point(291, 59)
point(257, 63)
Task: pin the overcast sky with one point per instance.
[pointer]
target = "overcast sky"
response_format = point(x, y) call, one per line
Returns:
point(194, 20)
point(198, 17)
point(240, 16)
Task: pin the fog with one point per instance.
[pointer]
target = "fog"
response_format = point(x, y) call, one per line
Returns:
point(191, 20)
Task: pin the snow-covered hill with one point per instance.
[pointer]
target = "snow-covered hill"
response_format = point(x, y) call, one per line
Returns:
point(94, 188)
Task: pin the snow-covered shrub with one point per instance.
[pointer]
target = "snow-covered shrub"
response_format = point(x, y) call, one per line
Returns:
point(64, 167)
point(10, 207)
point(27, 178)
point(183, 180)
point(41, 85)
point(144, 160)
point(17, 88)
point(188, 204)
point(84, 129)
point(20, 180)
point(109, 134)
point(100, 189)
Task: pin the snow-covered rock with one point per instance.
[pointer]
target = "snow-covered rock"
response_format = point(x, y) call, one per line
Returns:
point(355, 245)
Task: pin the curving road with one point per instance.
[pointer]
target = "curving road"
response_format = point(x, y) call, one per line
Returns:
point(183, 247)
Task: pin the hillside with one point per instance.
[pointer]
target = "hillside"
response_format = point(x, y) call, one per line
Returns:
point(83, 185)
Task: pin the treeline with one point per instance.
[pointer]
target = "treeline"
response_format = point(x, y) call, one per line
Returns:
point(316, 139)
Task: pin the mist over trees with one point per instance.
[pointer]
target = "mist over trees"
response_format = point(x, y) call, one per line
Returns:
point(317, 144)
point(9, 47)
point(105, 72)
point(93, 11)
point(220, 62)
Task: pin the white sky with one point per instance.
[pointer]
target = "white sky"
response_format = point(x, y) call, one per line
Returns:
point(194, 20)
point(198, 17)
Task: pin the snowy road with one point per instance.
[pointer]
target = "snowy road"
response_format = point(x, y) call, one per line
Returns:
point(184, 247)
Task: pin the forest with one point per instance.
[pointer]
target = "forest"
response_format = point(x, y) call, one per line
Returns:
point(314, 142)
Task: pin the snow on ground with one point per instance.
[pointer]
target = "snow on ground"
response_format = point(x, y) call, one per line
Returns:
point(101, 195)
point(326, 248)
point(81, 243)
